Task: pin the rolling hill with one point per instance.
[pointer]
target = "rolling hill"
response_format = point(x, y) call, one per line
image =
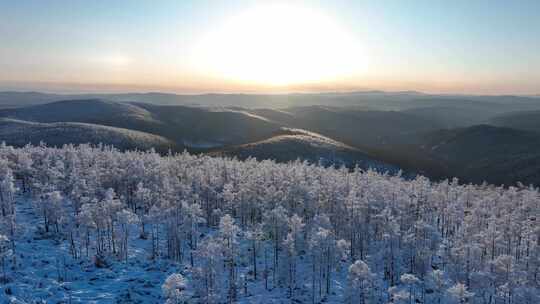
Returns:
point(291, 144)
point(93, 111)
point(485, 153)
point(206, 127)
point(19, 133)
point(529, 121)
point(453, 117)
point(358, 128)
point(190, 127)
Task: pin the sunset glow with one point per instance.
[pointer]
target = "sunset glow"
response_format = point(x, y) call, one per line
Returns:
point(270, 46)
point(280, 45)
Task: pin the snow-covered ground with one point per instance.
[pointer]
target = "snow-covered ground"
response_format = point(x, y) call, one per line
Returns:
point(46, 272)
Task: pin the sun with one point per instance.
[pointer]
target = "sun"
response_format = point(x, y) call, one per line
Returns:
point(280, 45)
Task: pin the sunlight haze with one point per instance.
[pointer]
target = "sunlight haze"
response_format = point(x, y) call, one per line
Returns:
point(480, 47)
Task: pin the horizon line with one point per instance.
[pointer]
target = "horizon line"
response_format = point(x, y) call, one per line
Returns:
point(367, 91)
point(78, 88)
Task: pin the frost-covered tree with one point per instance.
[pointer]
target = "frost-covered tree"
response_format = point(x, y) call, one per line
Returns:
point(86, 220)
point(142, 205)
point(437, 284)
point(174, 289)
point(293, 244)
point(106, 219)
point(208, 271)
point(155, 219)
point(295, 229)
point(193, 217)
point(228, 232)
point(276, 228)
point(24, 168)
point(360, 280)
point(7, 188)
point(459, 294)
point(410, 281)
point(322, 247)
point(125, 218)
point(5, 252)
point(51, 209)
point(255, 235)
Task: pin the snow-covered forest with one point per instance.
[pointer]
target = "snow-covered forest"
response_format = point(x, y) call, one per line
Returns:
point(198, 229)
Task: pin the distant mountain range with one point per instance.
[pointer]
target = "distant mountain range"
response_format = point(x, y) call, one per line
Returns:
point(476, 138)
point(376, 100)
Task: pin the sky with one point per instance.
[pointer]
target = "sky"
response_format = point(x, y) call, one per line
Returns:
point(469, 47)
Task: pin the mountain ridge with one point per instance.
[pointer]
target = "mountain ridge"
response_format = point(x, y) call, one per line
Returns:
point(19, 133)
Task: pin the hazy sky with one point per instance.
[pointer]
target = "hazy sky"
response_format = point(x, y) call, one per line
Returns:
point(487, 47)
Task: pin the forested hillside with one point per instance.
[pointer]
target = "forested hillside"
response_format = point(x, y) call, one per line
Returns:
point(83, 224)
point(20, 133)
point(288, 145)
point(475, 139)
